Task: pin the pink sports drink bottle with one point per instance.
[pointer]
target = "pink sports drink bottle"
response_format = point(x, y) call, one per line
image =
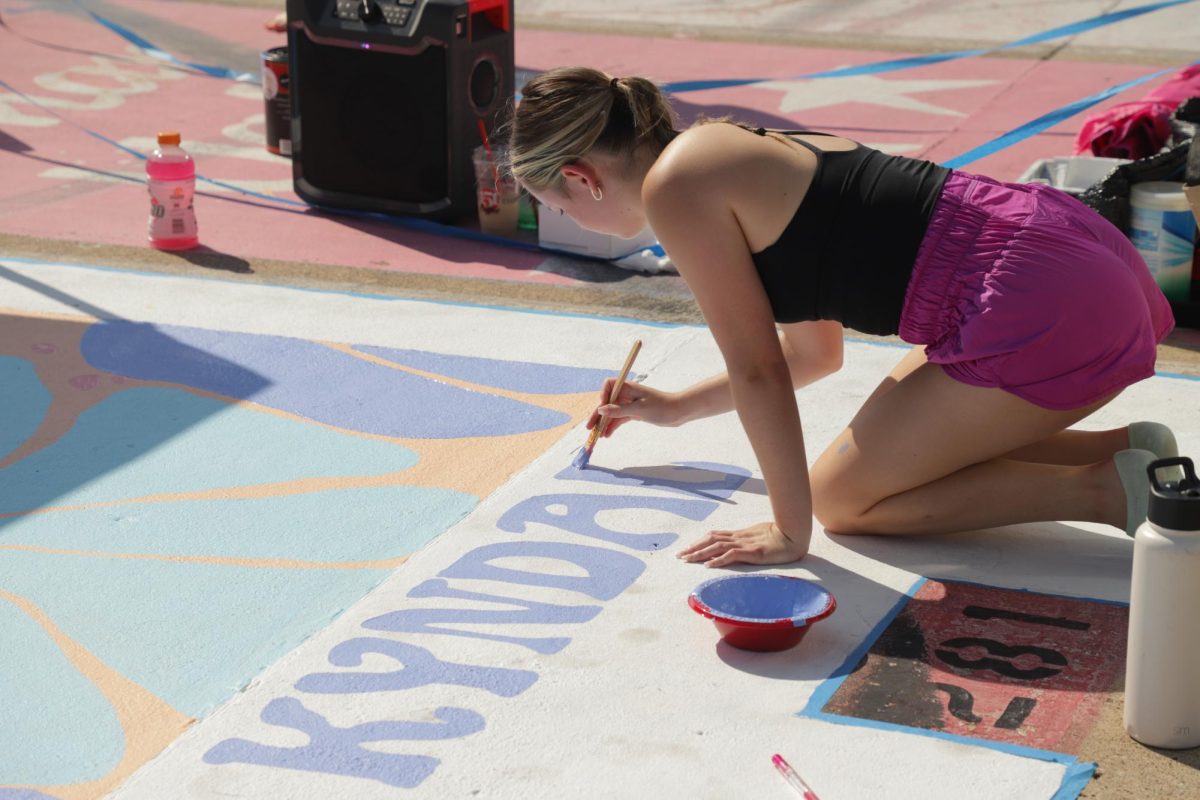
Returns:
point(172, 184)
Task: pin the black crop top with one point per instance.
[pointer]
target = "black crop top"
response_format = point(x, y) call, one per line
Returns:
point(848, 252)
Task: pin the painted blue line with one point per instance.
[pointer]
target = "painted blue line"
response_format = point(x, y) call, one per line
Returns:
point(1045, 121)
point(901, 345)
point(1178, 376)
point(1074, 780)
point(155, 52)
point(892, 65)
point(830, 685)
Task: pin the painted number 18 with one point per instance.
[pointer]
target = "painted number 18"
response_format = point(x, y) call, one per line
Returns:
point(1025, 662)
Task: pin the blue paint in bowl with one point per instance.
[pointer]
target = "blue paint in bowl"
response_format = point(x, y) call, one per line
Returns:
point(762, 612)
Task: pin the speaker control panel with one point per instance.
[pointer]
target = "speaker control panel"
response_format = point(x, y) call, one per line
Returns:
point(390, 12)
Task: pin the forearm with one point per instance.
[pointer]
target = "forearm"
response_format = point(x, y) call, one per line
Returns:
point(766, 406)
point(712, 396)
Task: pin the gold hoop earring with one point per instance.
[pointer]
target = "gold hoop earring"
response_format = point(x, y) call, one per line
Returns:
point(597, 193)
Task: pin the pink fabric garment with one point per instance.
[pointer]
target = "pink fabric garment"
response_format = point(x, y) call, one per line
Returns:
point(1140, 128)
point(1179, 87)
point(1020, 287)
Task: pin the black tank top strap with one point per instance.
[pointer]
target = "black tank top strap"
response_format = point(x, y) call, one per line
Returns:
point(764, 131)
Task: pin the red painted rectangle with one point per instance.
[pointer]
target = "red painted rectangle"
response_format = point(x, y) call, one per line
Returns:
point(977, 661)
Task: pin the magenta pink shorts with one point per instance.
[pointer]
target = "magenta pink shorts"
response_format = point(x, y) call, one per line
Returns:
point(1024, 288)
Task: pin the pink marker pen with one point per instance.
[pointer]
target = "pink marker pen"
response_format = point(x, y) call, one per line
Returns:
point(793, 779)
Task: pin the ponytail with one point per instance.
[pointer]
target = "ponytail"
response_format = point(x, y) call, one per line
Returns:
point(566, 112)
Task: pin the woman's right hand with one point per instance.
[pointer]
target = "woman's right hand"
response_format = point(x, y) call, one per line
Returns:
point(636, 401)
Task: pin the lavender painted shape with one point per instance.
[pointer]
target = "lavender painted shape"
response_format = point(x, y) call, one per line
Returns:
point(420, 668)
point(609, 572)
point(699, 478)
point(309, 380)
point(581, 511)
point(423, 620)
point(338, 751)
point(516, 376)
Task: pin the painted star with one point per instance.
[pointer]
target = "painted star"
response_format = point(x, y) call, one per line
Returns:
point(803, 95)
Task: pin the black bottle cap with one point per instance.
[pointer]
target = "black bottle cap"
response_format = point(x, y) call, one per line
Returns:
point(1175, 504)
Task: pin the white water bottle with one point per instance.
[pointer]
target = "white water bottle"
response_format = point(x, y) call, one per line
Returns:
point(1162, 666)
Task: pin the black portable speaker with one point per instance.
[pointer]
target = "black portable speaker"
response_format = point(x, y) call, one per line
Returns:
point(388, 97)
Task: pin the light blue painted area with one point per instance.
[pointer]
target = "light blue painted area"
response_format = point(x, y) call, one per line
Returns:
point(309, 380)
point(146, 441)
point(193, 634)
point(24, 794)
point(338, 525)
point(24, 401)
point(516, 376)
point(55, 725)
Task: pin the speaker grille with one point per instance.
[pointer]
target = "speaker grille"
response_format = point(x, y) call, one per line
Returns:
point(373, 124)
point(484, 86)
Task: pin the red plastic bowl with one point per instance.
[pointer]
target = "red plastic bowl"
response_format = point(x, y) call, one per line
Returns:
point(762, 612)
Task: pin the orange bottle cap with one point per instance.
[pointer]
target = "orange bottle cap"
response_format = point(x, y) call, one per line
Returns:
point(168, 137)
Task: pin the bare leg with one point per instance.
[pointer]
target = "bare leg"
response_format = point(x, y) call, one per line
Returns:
point(928, 456)
point(1075, 448)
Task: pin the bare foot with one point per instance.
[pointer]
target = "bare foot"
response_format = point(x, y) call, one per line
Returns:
point(277, 23)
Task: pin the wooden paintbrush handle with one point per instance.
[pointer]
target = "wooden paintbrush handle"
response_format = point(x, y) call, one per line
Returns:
point(602, 425)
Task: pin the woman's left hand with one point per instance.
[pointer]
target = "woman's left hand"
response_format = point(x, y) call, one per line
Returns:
point(764, 543)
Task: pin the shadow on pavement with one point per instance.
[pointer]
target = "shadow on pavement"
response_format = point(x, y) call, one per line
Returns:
point(66, 422)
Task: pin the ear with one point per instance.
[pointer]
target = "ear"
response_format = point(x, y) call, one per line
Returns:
point(581, 172)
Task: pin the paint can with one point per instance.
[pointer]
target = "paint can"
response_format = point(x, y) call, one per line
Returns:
point(1163, 230)
point(277, 97)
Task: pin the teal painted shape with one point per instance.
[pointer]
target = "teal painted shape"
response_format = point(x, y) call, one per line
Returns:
point(24, 400)
point(336, 525)
point(146, 441)
point(193, 634)
point(55, 725)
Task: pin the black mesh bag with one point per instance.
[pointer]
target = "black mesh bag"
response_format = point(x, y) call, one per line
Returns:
point(1181, 162)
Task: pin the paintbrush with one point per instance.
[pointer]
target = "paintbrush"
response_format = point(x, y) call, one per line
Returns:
point(581, 460)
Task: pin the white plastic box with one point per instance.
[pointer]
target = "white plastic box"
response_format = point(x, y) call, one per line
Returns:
point(1072, 174)
point(563, 233)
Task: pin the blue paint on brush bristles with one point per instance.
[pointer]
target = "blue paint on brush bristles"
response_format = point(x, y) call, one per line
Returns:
point(581, 460)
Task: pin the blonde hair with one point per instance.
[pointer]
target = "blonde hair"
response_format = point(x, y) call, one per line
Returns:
point(566, 112)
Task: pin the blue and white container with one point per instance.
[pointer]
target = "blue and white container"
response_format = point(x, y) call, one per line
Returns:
point(1163, 229)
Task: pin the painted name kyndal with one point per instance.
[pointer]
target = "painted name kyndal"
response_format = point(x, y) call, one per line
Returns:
point(693, 492)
